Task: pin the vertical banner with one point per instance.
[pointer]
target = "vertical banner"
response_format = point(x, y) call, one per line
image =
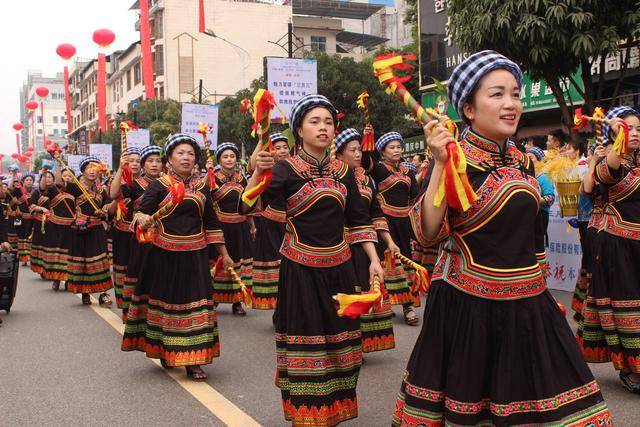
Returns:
point(564, 252)
point(102, 92)
point(138, 138)
point(289, 80)
point(201, 16)
point(193, 115)
point(67, 99)
point(145, 45)
point(104, 152)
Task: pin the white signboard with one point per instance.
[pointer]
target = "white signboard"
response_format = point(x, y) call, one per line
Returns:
point(564, 252)
point(73, 161)
point(104, 152)
point(193, 115)
point(138, 138)
point(290, 79)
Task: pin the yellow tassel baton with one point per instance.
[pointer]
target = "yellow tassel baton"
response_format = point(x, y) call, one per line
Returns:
point(620, 145)
point(204, 130)
point(368, 143)
point(177, 191)
point(421, 282)
point(454, 186)
point(355, 305)
point(247, 294)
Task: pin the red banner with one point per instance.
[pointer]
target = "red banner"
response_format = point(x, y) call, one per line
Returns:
point(201, 16)
point(145, 44)
point(18, 143)
point(102, 92)
point(44, 131)
point(67, 99)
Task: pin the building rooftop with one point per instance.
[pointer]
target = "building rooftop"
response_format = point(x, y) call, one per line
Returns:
point(336, 9)
point(359, 39)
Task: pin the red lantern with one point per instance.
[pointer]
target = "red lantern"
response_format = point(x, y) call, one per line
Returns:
point(42, 91)
point(29, 154)
point(31, 148)
point(103, 37)
point(32, 105)
point(14, 156)
point(66, 51)
point(17, 127)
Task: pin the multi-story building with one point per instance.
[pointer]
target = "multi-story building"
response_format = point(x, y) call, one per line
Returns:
point(124, 86)
point(54, 127)
point(227, 59)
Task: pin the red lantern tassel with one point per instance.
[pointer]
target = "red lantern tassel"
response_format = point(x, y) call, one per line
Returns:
point(102, 92)
point(127, 176)
point(212, 180)
point(201, 16)
point(368, 143)
point(145, 45)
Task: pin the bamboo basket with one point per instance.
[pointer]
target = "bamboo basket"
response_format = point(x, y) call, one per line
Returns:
point(568, 191)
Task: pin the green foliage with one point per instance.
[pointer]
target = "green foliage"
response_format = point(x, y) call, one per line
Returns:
point(161, 117)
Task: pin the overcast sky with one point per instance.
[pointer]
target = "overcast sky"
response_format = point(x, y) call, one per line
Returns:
point(30, 31)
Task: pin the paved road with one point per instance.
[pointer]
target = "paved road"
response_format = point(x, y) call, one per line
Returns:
point(61, 364)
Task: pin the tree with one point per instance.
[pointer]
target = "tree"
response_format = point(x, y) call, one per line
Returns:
point(161, 117)
point(549, 38)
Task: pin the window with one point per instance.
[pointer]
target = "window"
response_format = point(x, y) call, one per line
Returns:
point(158, 60)
point(136, 74)
point(55, 119)
point(318, 44)
point(39, 131)
point(55, 132)
point(63, 119)
point(39, 119)
point(128, 80)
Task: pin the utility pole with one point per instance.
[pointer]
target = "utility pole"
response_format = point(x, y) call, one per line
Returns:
point(200, 92)
point(290, 39)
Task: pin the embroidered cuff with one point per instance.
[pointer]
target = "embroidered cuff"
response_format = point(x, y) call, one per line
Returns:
point(415, 217)
point(380, 224)
point(605, 175)
point(361, 234)
point(213, 236)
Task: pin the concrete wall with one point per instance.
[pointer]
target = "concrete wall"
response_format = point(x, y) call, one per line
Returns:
point(223, 68)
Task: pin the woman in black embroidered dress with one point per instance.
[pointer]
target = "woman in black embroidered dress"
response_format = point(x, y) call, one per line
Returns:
point(397, 189)
point(88, 261)
point(377, 327)
point(231, 183)
point(151, 164)
point(22, 193)
point(610, 329)
point(39, 204)
point(318, 354)
point(121, 230)
point(171, 316)
point(494, 347)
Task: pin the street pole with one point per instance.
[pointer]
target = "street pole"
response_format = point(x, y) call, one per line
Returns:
point(200, 92)
point(290, 39)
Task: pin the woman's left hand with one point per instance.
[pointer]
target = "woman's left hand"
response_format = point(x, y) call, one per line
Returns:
point(375, 269)
point(227, 261)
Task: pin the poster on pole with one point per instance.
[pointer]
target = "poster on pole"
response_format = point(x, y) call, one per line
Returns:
point(104, 152)
point(138, 138)
point(193, 115)
point(73, 161)
point(289, 79)
point(564, 252)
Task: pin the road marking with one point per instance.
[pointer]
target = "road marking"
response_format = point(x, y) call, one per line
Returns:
point(216, 403)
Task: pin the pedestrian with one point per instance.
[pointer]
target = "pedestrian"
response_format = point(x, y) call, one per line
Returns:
point(88, 261)
point(610, 330)
point(318, 354)
point(377, 327)
point(397, 188)
point(171, 316)
point(494, 347)
point(231, 182)
point(151, 164)
point(547, 191)
point(39, 204)
point(121, 229)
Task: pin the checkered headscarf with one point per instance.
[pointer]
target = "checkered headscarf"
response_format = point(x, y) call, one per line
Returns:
point(346, 136)
point(226, 146)
point(177, 139)
point(306, 104)
point(410, 166)
point(148, 151)
point(536, 152)
point(615, 112)
point(133, 150)
point(465, 76)
point(277, 136)
point(385, 139)
point(85, 162)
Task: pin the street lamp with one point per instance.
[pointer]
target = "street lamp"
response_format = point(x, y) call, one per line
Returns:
point(239, 50)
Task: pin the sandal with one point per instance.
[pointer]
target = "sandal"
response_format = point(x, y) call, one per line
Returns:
point(632, 386)
point(237, 309)
point(55, 286)
point(86, 299)
point(164, 364)
point(104, 299)
point(196, 373)
point(410, 317)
